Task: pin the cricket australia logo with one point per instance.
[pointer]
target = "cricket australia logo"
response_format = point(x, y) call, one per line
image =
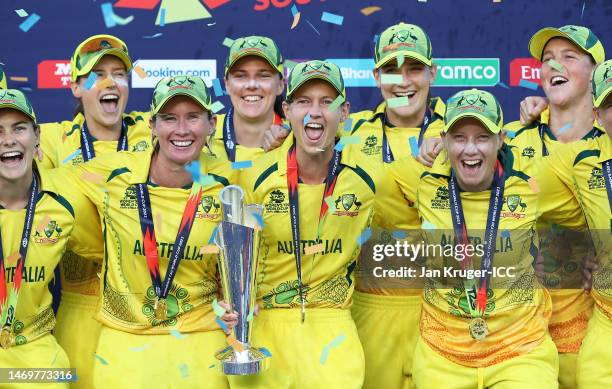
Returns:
point(471, 101)
point(403, 38)
point(277, 203)
point(596, 181)
point(48, 234)
point(208, 208)
point(512, 203)
point(528, 152)
point(140, 146)
point(371, 146)
point(129, 199)
point(441, 200)
point(350, 205)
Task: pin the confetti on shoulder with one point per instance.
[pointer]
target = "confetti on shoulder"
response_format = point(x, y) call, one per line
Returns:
point(242, 164)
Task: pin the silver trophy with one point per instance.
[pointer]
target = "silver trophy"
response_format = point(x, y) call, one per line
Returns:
point(238, 237)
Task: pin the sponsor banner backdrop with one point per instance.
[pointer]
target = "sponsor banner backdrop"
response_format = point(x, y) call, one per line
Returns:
point(475, 43)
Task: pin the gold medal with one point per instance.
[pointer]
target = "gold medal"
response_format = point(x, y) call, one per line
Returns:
point(160, 309)
point(478, 328)
point(6, 338)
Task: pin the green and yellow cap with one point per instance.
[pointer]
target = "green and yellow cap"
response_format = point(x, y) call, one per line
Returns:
point(2, 79)
point(310, 70)
point(259, 46)
point(602, 82)
point(477, 104)
point(579, 35)
point(190, 86)
point(404, 39)
point(92, 49)
point(15, 99)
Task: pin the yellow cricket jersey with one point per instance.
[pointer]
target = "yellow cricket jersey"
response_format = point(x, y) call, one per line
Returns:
point(562, 251)
point(61, 146)
point(517, 309)
point(369, 126)
point(127, 293)
point(575, 179)
point(243, 153)
point(327, 276)
point(59, 224)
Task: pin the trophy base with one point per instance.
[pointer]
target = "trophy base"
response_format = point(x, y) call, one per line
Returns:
point(252, 361)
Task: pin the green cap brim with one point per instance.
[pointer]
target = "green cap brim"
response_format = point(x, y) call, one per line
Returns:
point(255, 53)
point(406, 54)
point(539, 40)
point(18, 108)
point(315, 77)
point(98, 56)
point(489, 125)
point(179, 92)
point(597, 101)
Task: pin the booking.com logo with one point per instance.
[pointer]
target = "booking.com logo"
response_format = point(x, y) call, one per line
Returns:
point(156, 69)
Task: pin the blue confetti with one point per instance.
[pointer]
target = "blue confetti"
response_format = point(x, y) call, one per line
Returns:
point(71, 157)
point(332, 18)
point(259, 219)
point(217, 87)
point(242, 164)
point(505, 234)
point(177, 334)
point(184, 370)
point(428, 226)
point(306, 119)
point(313, 27)
point(582, 12)
point(510, 134)
point(213, 235)
point(265, 351)
point(414, 146)
point(503, 85)
point(334, 343)
point(348, 124)
point(141, 348)
point(367, 234)
point(194, 169)
point(110, 19)
point(294, 10)
point(153, 36)
point(375, 38)
point(399, 234)
point(102, 360)
point(221, 324)
point(162, 17)
point(286, 126)
point(528, 84)
point(29, 22)
point(565, 127)
point(91, 79)
point(339, 146)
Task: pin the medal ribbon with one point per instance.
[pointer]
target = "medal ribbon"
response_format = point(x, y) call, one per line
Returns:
point(387, 154)
point(87, 148)
point(294, 214)
point(461, 234)
point(150, 243)
point(229, 133)
point(8, 304)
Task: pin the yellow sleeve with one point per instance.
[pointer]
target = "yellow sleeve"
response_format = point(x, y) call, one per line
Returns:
point(50, 139)
point(394, 207)
point(557, 201)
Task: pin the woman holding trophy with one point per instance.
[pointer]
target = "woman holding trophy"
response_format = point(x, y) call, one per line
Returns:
point(305, 277)
point(157, 282)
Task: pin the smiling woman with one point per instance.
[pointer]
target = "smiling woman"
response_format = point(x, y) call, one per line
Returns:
point(254, 81)
point(37, 226)
point(100, 67)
